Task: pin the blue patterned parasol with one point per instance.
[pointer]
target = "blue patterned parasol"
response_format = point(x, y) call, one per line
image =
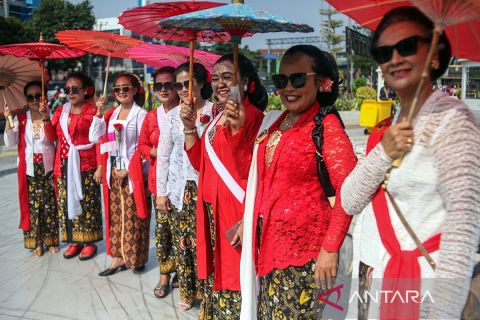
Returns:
point(237, 19)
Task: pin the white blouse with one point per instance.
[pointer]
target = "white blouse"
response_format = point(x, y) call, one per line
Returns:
point(129, 137)
point(173, 167)
point(34, 143)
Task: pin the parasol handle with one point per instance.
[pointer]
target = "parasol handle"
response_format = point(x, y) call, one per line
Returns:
point(10, 118)
point(43, 83)
point(190, 71)
point(235, 63)
point(425, 74)
point(106, 74)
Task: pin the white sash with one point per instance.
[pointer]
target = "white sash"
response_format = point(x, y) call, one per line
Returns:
point(161, 118)
point(74, 181)
point(248, 278)
point(227, 178)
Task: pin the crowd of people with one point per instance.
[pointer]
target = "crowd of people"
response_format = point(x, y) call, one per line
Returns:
point(252, 208)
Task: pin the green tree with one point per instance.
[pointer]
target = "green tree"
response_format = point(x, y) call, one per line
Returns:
point(330, 33)
point(13, 31)
point(56, 15)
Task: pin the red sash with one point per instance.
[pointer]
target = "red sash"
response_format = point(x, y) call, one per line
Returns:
point(22, 176)
point(402, 272)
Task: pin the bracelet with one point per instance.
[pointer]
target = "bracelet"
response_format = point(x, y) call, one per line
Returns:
point(191, 131)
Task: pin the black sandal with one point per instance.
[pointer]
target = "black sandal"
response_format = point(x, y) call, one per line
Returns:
point(161, 291)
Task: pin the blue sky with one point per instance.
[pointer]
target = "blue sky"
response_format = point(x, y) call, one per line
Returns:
point(304, 11)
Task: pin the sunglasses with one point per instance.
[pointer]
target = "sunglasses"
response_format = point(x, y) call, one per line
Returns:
point(297, 80)
point(73, 90)
point(179, 85)
point(158, 86)
point(406, 47)
point(122, 89)
point(33, 97)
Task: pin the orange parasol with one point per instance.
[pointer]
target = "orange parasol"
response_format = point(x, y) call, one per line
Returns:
point(97, 42)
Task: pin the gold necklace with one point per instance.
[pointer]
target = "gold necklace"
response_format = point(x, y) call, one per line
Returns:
point(287, 122)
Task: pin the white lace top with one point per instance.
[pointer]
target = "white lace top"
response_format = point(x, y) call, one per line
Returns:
point(437, 188)
point(173, 167)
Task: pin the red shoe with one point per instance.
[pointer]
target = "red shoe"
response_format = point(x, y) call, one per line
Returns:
point(72, 251)
point(88, 252)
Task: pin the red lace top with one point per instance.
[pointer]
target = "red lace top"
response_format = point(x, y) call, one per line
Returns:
point(78, 129)
point(297, 218)
point(149, 137)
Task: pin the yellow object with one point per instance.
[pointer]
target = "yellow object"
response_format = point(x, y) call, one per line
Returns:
point(374, 111)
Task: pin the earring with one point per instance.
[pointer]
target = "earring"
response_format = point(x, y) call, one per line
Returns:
point(245, 88)
point(435, 64)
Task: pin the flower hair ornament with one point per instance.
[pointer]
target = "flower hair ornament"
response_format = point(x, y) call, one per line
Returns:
point(326, 85)
point(251, 86)
point(209, 77)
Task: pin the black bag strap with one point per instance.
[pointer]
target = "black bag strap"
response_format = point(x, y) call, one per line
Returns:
point(317, 134)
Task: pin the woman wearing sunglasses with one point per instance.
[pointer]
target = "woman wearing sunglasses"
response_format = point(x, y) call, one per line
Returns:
point(77, 168)
point(223, 160)
point(436, 188)
point(293, 232)
point(156, 122)
point(176, 174)
point(127, 215)
point(38, 210)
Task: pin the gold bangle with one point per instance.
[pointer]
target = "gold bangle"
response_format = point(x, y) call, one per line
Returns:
point(191, 131)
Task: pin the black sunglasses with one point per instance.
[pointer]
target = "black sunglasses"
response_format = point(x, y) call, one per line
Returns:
point(33, 97)
point(158, 86)
point(179, 85)
point(122, 89)
point(73, 90)
point(297, 80)
point(406, 47)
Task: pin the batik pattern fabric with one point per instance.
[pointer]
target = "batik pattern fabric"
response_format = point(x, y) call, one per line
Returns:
point(164, 242)
point(44, 222)
point(86, 228)
point(129, 235)
point(290, 294)
point(218, 304)
point(183, 223)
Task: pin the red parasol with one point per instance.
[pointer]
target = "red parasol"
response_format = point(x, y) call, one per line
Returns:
point(158, 56)
point(42, 51)
point(97, 42)
point(145, 21)
point(459, 19)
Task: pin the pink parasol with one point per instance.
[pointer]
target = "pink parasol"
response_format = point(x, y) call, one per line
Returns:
point(158, 56)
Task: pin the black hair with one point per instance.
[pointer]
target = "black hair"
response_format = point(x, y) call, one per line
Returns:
point(412, 14)
point(139, 97)
point(201, 75)
point(259, 96)
point(168, 69)
point(34, 84)
point(324, 64)
point(87, 83)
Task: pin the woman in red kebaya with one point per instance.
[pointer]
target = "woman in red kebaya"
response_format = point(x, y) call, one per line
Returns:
point(127, 217)
point(293, 231)
point(155, 122)
point(222, 181)
point(77, 168)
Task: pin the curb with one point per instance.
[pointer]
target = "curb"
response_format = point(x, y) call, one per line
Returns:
point(6, 172)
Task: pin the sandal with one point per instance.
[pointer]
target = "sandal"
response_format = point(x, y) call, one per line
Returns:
point(72, 251)
point(161, 291)
point(38, 251)
point(184, 306)
point(88, 252)
point(54, 249)
point(175, 282)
